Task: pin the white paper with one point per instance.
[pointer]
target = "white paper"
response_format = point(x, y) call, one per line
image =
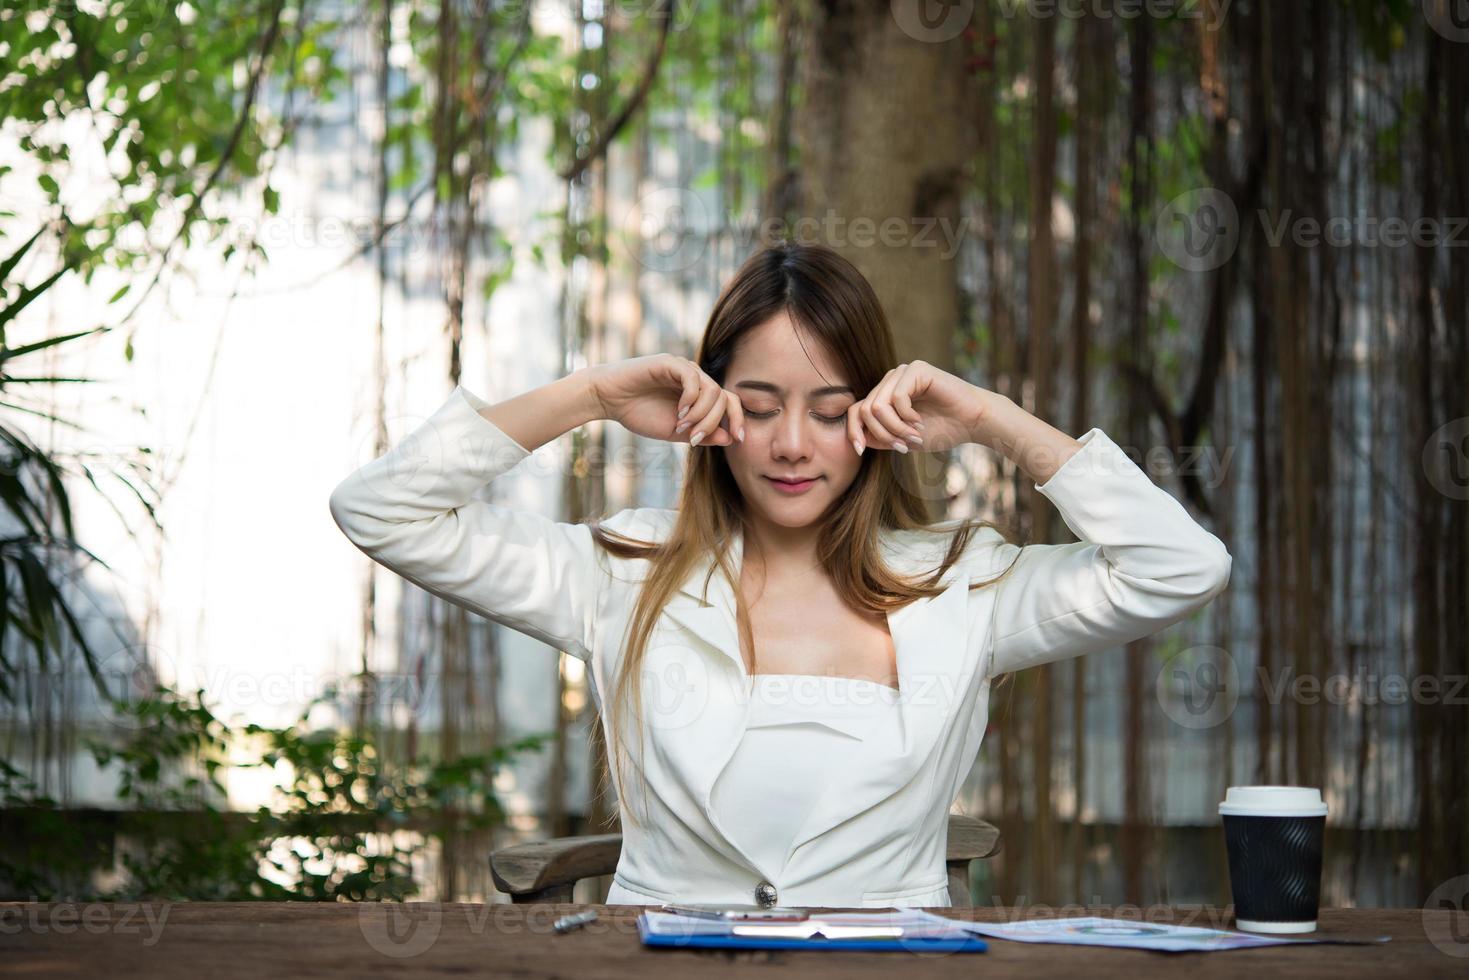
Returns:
point(1098, 931)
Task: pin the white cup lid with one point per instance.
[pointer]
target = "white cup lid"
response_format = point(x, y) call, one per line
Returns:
point(1273, 801)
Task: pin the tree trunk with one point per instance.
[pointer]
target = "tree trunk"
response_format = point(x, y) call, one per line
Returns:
point(886, 149)
point(1043, 288)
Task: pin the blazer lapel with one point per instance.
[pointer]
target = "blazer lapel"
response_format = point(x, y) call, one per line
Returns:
point(712, 621)
point(929, 643)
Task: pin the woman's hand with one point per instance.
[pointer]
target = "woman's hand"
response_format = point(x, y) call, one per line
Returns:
point(916, 405)
point(663, 396)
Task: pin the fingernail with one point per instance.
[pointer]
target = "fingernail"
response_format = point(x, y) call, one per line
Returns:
point(742, 433)
point(917, 425)
point(695, 440)
point(684, 411)
point(857, 445)
point(680, 427)
point(899, 446)
point(916, 440)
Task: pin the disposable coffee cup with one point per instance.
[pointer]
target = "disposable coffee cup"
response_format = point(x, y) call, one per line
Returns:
point(1274, 837)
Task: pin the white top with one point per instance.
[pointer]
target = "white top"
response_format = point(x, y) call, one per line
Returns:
point(803, 729)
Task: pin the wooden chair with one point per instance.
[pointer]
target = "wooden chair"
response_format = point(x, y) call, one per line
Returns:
point(547, 871)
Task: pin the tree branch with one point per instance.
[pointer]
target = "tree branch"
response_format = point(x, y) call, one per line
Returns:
point(634, 102)
point(271, 35)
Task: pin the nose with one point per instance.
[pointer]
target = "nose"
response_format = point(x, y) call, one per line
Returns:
point(792, 440)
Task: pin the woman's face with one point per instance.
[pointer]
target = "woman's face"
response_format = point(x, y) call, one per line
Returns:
point(795, 425)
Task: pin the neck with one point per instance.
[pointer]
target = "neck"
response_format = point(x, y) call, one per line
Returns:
point(776, 549)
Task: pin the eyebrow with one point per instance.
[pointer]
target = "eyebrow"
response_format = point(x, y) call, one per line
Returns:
point(813, 393)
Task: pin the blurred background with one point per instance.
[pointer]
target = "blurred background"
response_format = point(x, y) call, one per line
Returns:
point(245, 247)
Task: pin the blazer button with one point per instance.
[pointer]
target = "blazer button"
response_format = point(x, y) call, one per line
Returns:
point(765, 894)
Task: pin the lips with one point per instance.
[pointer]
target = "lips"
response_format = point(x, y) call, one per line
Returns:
point(796, 485)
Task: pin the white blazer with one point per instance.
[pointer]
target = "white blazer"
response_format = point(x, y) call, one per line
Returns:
point(877, 835)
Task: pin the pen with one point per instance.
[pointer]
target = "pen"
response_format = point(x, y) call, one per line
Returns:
point(735, 915)
point(569, 922)
point(698, 913)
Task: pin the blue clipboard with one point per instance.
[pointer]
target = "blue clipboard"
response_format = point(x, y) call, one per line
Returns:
point(968, 944)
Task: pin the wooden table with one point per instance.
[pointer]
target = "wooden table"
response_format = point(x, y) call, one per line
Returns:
point(267, 939)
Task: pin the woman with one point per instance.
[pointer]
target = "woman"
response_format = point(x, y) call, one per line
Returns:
point(813, 660)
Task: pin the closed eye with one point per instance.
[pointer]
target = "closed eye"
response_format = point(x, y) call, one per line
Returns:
point(826, 419)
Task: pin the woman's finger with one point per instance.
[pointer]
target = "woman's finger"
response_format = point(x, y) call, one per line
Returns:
point(877, 433)
point(855, 434)
point(708, 424)
point(708, 394)
point(879, 394)
point(888, 415)
point(903, 393)
point(888, 430)
point(734, 417)
point(687, 374)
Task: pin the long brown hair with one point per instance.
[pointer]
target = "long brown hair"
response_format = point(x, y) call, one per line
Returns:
point(828, 298)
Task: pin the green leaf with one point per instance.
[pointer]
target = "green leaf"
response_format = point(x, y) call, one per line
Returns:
point(7, 266)
point(9, 353)
point(12, 310)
